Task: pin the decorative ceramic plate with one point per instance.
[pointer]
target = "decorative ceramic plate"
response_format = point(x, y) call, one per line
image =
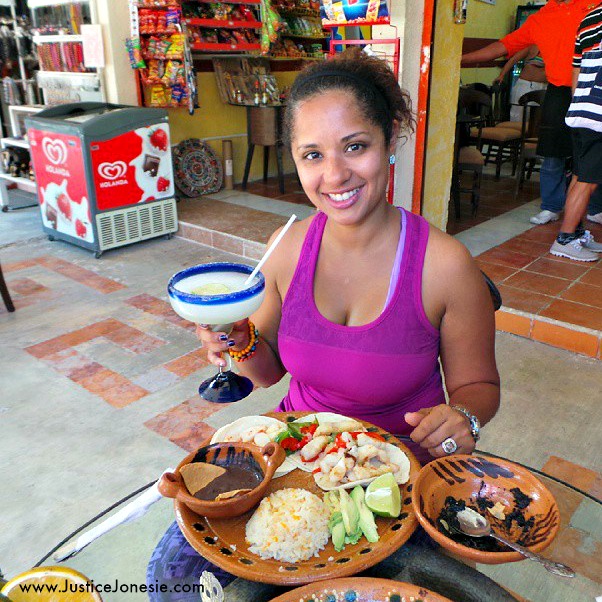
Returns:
point(529, 516)
point(360, 589)
point(222, 541)
point(198, 170)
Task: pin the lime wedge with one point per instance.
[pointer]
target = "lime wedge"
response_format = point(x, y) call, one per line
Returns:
point(382, 496)
point(211, 288)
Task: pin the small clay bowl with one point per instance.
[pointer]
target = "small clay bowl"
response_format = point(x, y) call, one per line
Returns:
point(262, 460)
point(467, 478)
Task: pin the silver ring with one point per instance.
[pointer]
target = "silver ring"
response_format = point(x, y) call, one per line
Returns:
point(449, 446)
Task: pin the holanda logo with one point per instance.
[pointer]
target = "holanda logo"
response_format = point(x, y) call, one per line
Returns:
point(55, 150)
point(112, 171)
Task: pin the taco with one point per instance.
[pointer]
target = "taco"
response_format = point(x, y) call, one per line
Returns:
point(259, 430)
point(357, 459)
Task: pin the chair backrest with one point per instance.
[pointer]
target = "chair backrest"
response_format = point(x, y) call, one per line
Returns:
point(531, 101)
point(473, 102)
point(501, 105)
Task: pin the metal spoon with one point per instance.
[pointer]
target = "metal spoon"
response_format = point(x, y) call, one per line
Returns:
point(473, 524)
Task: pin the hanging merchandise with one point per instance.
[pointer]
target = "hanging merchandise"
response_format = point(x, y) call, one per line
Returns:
point(354, 12)
point(157, 48)
point(272, 23)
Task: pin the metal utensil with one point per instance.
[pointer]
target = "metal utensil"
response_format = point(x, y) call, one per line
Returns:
point(473, 524)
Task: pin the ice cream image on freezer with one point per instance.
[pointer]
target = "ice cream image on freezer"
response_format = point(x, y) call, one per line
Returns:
point(153, 165)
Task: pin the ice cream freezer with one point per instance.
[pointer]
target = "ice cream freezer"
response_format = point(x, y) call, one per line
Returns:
point(104, 173)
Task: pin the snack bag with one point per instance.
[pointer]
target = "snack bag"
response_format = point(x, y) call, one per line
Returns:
point(135, 53)
point(157, 96)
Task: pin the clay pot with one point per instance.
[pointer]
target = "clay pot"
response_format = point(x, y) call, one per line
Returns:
point(263, 460)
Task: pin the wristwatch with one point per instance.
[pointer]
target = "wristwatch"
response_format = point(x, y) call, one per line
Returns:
point(475, 425)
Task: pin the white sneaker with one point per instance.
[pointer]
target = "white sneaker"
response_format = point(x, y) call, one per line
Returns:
point(587, 240)
point(596, 218)
point(573, 250)
point(543, 217)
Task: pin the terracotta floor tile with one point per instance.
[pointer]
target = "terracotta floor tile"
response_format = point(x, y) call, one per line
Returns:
point(584, 293)
point(192, 439)
point(574, 313)
point(189, 363)
point(15, 266)
point(496, 272)
point(134, 340)
point(49, 347)
point(531, 248)
point(158, 307)
point(574, 474)
point(513, 323)
point(101, 381)
point(183, 424)
point(72, 364)
point(593, 277)
point(537, 283)
point(507, 258)
point(558, 269)
point(571, 547)
point(523, 300)
point(542, 234)
point(26, 286)
point(596, 488)
point(88, 370)
point(565, 337)
point(123, 394)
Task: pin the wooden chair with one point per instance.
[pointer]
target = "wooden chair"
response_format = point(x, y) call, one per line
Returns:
point(473, 107)
point(5, 293)
point(527, 155)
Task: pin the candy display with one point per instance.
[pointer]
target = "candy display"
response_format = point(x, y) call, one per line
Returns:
point(353, 12)
point(159, 53)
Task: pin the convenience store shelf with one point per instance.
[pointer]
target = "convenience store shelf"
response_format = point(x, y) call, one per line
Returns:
point(49, 39)
point(222, 23)
point(22, 183)
point(4, 142)
point(208, 47)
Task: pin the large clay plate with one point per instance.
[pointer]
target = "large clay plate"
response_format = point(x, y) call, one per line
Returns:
point(360, 589)
point(222, 541)
point(197, 169)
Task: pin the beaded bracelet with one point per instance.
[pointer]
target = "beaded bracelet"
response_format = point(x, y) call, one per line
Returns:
point(249, 350)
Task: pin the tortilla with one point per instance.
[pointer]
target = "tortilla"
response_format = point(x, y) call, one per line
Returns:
point(324, 418)
point(242, 428)
point(198, 475)
point(396, 456)
point(228, 494)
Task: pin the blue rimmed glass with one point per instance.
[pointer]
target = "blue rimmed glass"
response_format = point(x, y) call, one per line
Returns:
point(220, 311)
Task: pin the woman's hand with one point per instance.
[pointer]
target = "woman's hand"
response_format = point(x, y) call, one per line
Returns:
point(434, 425)
point(217, 343)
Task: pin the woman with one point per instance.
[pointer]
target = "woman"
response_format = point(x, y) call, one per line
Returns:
point(363, 298)
point(532, 77)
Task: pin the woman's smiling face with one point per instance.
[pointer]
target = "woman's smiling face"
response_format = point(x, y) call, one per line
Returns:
point(341, 157)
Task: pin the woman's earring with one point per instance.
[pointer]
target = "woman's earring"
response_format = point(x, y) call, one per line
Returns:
point(391, 159)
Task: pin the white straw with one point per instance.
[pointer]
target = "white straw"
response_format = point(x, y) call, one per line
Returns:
point(269, 251)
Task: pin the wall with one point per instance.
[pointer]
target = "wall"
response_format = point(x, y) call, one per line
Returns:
point(443, 99)
point(119, 78)
point(488, 21)
point(215, 121)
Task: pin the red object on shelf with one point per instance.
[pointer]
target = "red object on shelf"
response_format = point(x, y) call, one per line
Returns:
point(392, 57)
point(225, 23)
point(360, 22)
point(232, 1)
point(224, 47)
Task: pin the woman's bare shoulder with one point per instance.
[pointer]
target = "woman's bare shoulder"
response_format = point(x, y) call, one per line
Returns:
point(444, 252)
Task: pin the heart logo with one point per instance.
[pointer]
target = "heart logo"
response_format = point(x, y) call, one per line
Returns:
point(55, 150)
point(112, 171)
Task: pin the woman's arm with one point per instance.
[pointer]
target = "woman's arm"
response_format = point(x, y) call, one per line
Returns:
point(519, 56)
point(455, 289)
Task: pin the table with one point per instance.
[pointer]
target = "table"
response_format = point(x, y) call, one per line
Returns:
point(121, 557)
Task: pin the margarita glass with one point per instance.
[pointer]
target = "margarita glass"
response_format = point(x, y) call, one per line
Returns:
point(216, 294)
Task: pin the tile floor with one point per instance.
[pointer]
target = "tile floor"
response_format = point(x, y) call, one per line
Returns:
point(550, 299)
point(99, 385)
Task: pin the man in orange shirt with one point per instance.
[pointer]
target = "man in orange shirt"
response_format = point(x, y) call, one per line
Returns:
point(553, 30)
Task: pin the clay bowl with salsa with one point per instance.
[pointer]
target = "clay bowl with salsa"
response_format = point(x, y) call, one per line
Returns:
point(248, 471)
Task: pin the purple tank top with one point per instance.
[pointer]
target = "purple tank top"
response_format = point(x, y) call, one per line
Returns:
point(374, 372)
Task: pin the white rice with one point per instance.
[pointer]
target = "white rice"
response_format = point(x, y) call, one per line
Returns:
point(290, 525)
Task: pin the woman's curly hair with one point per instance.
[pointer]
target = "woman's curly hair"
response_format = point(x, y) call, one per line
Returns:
point(371, 81)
